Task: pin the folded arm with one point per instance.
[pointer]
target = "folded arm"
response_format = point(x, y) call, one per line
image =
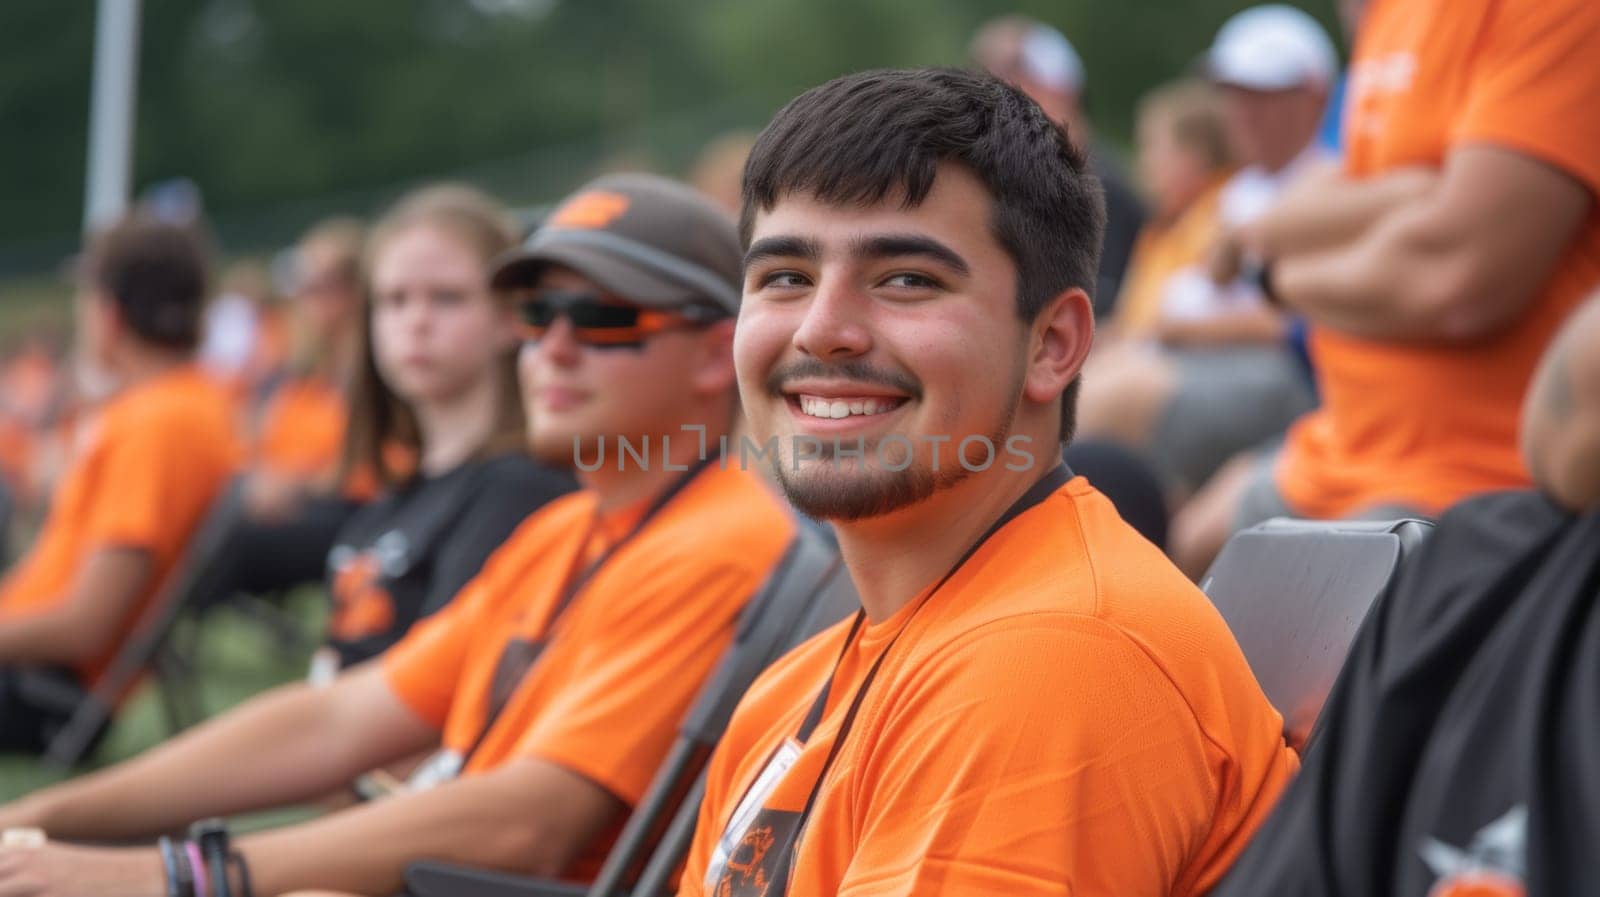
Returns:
point(1453, 266)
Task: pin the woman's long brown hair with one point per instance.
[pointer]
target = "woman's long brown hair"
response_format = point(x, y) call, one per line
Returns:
point(382, 425)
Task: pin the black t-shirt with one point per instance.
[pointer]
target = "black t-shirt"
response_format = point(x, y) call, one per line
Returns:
point(409, 552)
point(1459, 752)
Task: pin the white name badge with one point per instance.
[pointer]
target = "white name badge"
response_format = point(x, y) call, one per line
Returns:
point(324, 667)
point(754, 799)
point(442, 767)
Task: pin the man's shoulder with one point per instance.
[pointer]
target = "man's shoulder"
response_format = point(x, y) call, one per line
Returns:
point(791, 681)
point(185, 416)
point(725, 517)
point(558, 518)
point(179, 402)
point(1074, 555)
point(1461, 569)
point(1075, 583)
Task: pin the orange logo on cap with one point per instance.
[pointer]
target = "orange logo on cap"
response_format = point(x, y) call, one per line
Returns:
point(590, 211)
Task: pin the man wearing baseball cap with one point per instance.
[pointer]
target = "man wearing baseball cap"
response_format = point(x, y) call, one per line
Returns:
point(552, 686)
point(1275, 66)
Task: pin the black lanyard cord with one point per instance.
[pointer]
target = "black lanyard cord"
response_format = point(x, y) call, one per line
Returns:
point(1041, 490)
point(527, 657)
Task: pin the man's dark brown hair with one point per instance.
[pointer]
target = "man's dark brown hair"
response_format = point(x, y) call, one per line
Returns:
point(877, 135)
point(155, 273)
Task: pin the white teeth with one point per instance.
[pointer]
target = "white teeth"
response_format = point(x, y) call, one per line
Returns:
point(835, 409)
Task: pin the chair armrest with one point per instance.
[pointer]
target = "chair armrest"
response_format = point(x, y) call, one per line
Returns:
point(430, 879)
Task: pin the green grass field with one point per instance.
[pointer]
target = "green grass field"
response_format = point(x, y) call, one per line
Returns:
point(29, 303)
point(237, 657)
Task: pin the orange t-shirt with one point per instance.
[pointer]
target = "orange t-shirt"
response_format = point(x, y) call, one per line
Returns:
point(302, 429)
point(146, 471)
point(1161, 252)
point(629, 654)
point(1428, 426)
point(1067, 715)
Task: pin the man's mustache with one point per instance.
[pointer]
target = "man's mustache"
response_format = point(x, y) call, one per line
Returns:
point(855, 370)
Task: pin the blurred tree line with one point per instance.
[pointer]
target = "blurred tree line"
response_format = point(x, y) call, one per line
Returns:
point(283, 110)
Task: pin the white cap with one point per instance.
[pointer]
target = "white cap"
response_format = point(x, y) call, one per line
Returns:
point(1272, 47)
point(1049, 58)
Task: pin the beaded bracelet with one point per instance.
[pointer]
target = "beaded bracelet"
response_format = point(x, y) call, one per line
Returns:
point(180, 874)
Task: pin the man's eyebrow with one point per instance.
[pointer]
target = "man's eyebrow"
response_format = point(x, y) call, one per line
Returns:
point(782, 247)
point(883, 246)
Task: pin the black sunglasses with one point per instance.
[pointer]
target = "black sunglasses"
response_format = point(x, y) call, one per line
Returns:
point(596, 322)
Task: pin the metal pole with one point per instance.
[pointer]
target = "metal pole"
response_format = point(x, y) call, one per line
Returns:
point(111, 112)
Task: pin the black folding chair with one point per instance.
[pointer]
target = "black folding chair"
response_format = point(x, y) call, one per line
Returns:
point(148, 648)
point(1295, 592)
point(8, 506)
point(808, 591)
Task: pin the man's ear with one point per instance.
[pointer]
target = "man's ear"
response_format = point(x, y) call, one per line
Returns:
point(100, 322)
point(714, 372)
point(1059, 344)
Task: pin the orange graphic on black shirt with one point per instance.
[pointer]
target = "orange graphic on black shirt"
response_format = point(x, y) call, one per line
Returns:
point(362, 607)
point(1479, 884)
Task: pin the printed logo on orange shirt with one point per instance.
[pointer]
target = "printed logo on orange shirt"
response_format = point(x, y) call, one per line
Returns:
point(1372, 81)
point(589, 211)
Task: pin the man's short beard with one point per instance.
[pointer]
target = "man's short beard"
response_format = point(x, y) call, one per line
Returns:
point(878, 490)
point(872, 494)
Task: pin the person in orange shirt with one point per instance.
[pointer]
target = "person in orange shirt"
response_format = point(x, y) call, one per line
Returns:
point(1430, 317)
point(294, 496)
point(1455, 756)
point(299, 435)
point(554, 684)
point(1032, 700)
point(147, 465)
point(1184, 161)
point(1218, 373)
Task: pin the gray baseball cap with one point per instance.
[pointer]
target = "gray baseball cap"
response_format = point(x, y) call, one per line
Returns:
point(648, 239)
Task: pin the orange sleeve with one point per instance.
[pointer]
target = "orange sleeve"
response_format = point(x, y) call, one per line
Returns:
point(425, 667)
point(147, 493)
point(1535, 80)
point(642, 671)
point(1088, 775)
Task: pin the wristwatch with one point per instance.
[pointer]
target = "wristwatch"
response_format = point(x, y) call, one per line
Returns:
point(1257, 272)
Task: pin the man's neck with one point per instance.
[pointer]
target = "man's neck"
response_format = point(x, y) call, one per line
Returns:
point(893, 558)
point(136, 366)
point(670, 457)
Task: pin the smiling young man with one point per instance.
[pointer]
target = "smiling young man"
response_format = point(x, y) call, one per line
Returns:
point(1033, 701)
point(555, 682)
